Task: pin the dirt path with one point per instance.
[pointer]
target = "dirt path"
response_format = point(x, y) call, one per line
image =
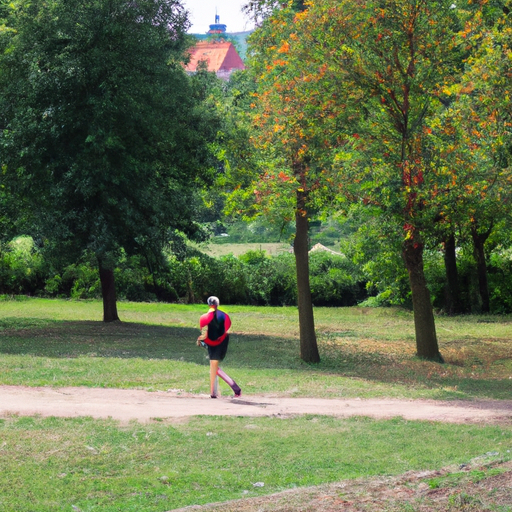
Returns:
point(125, 405)
point(378, 494)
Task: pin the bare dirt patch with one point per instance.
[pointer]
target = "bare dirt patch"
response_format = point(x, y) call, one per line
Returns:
point(479, 487)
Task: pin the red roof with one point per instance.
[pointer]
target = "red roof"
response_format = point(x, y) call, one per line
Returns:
point(221, 56)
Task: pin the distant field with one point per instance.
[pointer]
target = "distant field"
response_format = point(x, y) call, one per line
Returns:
point(216, 250)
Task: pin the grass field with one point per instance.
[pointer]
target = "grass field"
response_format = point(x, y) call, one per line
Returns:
point(57, 464)
point(365, 352)
point(216, 250)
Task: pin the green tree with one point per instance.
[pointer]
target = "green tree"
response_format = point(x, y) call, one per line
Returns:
point(11, 202)
point(399, 55)
point(293, 134)
point(102, 128)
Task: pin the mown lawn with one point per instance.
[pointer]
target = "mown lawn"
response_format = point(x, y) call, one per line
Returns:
point(54, 464)
point(51, 464)
point(365, 352)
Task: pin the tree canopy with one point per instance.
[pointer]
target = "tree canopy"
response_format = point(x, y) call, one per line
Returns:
point(102, 128)
point(350, 98)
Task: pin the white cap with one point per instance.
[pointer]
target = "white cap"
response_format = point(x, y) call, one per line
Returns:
point(213, 301)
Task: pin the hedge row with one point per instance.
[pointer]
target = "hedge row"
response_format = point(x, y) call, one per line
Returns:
point(253, 278)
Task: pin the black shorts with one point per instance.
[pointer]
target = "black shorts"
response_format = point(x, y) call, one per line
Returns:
point(218, 352)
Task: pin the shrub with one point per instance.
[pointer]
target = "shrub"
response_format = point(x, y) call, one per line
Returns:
point(262, 278)
point(435, 275)
point(234, 287)
point(335, 281)
point(21, 267)
point(83, 279)
point(500, 281)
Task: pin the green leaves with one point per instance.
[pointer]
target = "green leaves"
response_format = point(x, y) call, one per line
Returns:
point(102, 117)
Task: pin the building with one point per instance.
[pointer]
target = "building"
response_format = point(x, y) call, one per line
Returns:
point(220, 55)
point(217, 27)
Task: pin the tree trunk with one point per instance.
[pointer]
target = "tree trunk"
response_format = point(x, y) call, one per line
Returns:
point(424, 324)
point(453, 303)
point(479, 252)
point(191, 299)
point(308, 344)
point(108, 292)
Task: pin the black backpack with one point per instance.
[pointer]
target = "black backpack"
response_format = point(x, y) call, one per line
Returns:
point(216, 327)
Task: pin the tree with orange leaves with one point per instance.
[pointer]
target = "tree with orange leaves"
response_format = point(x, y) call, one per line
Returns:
point(473, 139)
point(294, 130)
point(401, 55)
point(379, 68)
point(350, 93)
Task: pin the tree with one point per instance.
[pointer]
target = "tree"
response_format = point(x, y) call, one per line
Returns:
point(376, 73)
point(260, 10)
point(400, 55)
point(102, 128)
point(291, 131)
point(11, 201)
point(473, 140)
point(484, 99)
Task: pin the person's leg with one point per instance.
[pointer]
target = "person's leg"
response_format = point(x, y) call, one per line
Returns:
point(216, 391)
point(217, 354)
point(214, 368)
point(231, 383)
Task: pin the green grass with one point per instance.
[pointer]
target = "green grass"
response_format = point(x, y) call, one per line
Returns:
point(52, 464)
point(365, 352)
point(215, 250)
point(453, 479)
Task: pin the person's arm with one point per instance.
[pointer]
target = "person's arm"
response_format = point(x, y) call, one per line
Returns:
point(202, 336)
point(203, 325)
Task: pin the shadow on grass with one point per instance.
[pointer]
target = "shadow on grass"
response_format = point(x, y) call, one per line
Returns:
point(65, 339)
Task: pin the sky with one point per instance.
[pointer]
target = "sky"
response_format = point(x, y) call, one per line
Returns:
point(202, 15)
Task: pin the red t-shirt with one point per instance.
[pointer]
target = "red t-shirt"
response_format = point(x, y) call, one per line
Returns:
point(218, 324)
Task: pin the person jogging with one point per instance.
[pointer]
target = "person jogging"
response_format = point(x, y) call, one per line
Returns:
point(215, 327)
